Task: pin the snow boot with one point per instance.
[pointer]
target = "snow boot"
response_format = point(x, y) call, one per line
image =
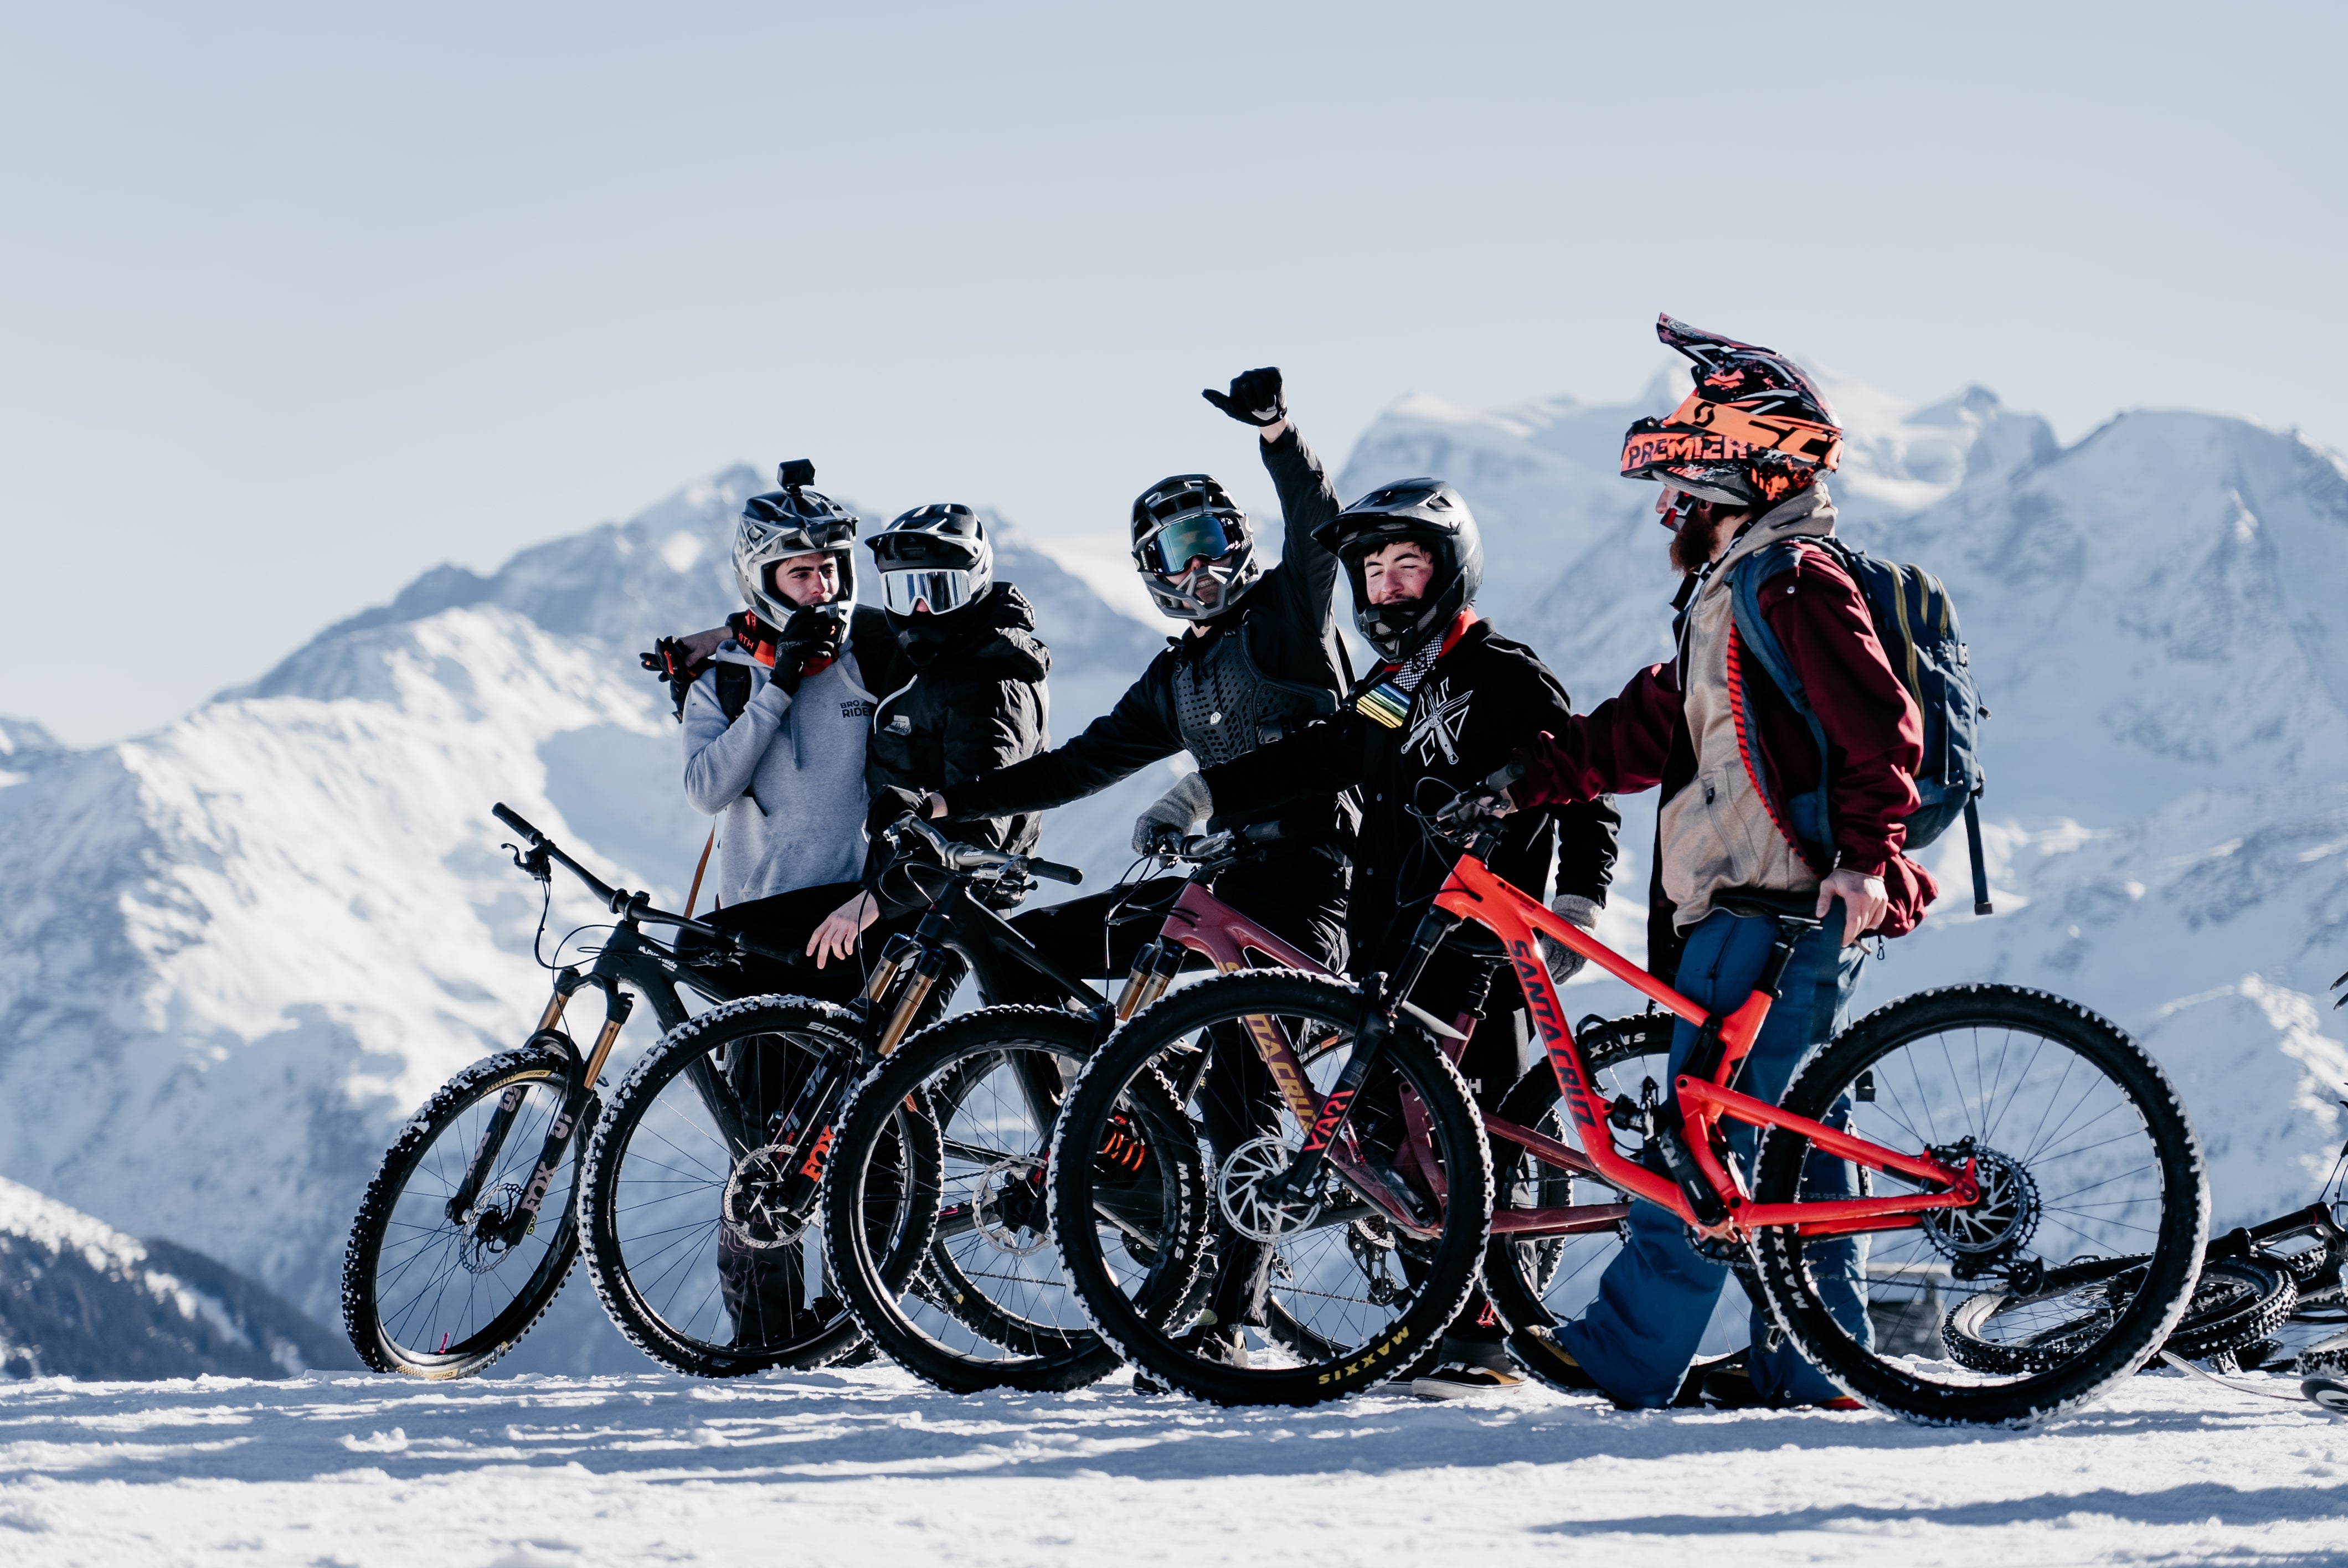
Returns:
point(1469, 1370)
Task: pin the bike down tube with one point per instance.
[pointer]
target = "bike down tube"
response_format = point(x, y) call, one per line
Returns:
point(1474, 892)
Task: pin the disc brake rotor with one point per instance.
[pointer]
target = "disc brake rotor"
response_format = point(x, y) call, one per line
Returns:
point(2001, 1224)
point(1004, 1208)
point(483, 1246)
point(1239, 1192)
point(753, 1211)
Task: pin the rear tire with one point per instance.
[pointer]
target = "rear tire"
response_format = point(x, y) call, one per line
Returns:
point(2082, 1142)
point(426, 1297)
point(1351, 1300)
point(985, 1305)
point(663, 1248)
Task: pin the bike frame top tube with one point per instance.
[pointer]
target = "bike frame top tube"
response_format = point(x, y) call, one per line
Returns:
point(1205, 924)
point(1474, 892)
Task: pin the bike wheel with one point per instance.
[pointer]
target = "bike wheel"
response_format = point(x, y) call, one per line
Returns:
point(431, 1295)
point(2236, 1302)
point(1350, 1298)
point(700, 1220)
point(1539, 1282)
point(2081, 1147)
point(987, 1305)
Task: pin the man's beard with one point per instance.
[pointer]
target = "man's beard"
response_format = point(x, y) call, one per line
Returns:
point(1697, 536)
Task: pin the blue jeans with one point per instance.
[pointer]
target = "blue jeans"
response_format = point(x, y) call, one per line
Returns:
point(1639, 1335)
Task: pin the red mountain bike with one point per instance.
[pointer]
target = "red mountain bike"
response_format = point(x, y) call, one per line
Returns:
point(1996, 1131)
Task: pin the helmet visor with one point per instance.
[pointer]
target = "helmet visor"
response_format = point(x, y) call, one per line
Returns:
point(904, 592)
point(1184, 540)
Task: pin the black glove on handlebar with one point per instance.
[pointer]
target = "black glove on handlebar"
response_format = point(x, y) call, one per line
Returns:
point(890, 807)
point(1254, 397)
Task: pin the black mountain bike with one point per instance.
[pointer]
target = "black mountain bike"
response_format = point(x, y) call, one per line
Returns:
point(468, 1230)
point(702, 1193)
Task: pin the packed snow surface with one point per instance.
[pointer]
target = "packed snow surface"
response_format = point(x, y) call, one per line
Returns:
point(869, 1467)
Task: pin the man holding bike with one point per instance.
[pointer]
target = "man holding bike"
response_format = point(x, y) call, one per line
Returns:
point(1451, 700)
point(1259, 658)
point(1742, 463)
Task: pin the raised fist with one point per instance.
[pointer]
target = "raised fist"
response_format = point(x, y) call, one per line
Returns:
point(1254, 397)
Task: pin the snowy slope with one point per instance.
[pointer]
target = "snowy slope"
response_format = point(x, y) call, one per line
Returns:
point(865, 1468)
point(80, 1299)
point(236, 951)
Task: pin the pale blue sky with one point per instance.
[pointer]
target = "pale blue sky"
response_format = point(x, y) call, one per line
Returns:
point(301, 301)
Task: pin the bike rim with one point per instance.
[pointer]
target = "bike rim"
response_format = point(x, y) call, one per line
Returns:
point(445, 1288)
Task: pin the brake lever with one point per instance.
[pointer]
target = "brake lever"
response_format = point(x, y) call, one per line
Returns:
point(537, 862)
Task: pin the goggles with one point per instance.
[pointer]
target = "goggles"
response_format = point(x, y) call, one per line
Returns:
point(1183, 540)
point(903, 592)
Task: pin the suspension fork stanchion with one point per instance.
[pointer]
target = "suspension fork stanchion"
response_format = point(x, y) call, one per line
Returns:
point(501, 1120)
point(1369, 1044)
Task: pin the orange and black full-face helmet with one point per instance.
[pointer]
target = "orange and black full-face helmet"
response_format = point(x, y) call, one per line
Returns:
point(1755, 429)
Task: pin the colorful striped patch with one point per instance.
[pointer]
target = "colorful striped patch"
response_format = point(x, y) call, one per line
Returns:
point(1386, 703)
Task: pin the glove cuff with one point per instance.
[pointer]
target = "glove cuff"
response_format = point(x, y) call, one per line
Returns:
point(1575, 908)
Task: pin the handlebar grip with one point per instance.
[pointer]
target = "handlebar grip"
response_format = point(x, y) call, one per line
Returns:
point(1261, 833)
point(1053, 871)
point(513, 819)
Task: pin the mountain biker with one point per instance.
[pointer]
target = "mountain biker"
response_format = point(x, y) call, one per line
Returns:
point(1742, 463)
point(1258, 657)
point(1451, 700)
point(973, 700)
point(775, 727)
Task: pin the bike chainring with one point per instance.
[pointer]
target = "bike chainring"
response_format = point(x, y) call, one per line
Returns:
point(1989, 1233)
point(485, 1245)
point(753, 1211)
point(1239, 1192)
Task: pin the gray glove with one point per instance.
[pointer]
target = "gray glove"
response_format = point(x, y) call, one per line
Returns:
point(1177, 808)
point(1564, 963)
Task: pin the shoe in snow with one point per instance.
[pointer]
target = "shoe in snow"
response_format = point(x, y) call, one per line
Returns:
point(1727, 1385)
point(1226, 1347)
point(1469, 1370)
point(1538, 1353)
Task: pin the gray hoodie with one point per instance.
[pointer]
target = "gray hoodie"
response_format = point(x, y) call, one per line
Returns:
point(789, 775)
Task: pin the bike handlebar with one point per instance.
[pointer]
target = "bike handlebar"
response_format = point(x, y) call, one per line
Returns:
point(967, 857)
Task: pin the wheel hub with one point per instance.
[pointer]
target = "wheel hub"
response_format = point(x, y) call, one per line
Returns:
point(1997, 1226)
point(485, 1245)
point(1006, 1208)
point(754, 1212)
point(1239, 1192)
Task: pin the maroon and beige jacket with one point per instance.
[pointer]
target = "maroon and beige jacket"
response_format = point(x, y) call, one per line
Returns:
point(1674, 725)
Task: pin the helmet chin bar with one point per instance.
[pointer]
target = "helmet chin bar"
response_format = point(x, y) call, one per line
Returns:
point(1233, 575)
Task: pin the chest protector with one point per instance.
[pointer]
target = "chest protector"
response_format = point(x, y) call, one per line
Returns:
point(1226, 706)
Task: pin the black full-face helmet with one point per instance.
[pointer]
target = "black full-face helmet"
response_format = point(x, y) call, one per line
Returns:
point(1426, 512)
point(1182, 519)
point(795, 520)
point(936, 564)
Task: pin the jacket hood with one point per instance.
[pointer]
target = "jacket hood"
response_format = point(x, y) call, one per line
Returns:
point(1810, 512)
point(998, 630)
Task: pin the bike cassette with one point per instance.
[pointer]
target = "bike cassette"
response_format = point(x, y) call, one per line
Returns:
point(753, 1209)
point(1985, 1234)
point(485, 1245)
point(1239, 1192)
point(1007, 1207)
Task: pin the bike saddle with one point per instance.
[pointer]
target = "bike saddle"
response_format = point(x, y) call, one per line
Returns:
point(1799, 909)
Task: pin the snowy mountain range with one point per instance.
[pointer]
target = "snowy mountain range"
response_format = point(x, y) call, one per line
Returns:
point(238, 950)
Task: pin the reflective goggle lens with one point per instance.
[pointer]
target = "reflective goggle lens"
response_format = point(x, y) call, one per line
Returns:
point(1184, 540)
point(935, 592)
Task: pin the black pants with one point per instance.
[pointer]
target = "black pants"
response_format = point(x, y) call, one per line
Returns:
point(785, 922)
point(1300, 897)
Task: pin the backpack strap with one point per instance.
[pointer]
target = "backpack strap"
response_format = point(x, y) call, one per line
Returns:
point(733, 688)
point(1804, 820)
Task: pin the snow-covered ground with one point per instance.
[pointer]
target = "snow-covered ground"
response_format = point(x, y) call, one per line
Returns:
point(869, 1469)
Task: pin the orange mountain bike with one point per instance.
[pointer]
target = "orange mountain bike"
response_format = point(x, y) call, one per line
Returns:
point(1996, 1133)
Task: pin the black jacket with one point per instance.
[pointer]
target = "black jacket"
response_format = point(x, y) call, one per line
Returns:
point(1289, 623)
point(975, 707)
point(1481, 700)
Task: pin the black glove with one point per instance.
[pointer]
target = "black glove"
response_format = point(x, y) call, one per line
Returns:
point(1254, 397)
point(671, 662)
point(890, 807)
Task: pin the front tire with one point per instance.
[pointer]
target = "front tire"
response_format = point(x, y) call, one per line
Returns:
point(429, 1296)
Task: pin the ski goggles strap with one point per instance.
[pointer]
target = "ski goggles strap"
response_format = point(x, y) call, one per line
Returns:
point(1722, 432)
point(903, 592)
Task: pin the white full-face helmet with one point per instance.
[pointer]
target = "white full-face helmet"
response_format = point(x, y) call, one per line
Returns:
point(795, 520)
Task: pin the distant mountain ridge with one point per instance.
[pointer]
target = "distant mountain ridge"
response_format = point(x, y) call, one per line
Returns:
point(238, 950)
